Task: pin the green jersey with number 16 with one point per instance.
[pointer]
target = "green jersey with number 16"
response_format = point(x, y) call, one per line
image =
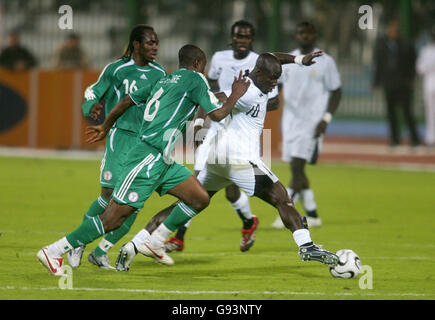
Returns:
point(117, 80)
point(171, 103)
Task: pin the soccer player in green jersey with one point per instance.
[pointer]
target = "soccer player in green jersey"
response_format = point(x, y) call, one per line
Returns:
point(135, 70)
point(148, 167)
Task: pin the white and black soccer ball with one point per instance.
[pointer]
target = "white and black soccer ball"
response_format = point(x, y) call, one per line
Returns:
point(349, 265)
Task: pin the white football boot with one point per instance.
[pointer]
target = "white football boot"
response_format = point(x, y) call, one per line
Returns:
point(126, 255)
point(75, 256)
point(102, 262)
point(158, 253)
point(53, 264)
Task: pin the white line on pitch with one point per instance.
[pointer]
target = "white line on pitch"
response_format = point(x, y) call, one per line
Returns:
point(222, 292)
point(260, 255)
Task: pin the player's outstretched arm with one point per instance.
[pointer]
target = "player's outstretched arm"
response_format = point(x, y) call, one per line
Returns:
point(306, 60)
point(98, 133)
point(239, 87)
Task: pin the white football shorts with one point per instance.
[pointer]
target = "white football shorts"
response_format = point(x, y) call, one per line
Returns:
point(250, 176)
point(303, 147)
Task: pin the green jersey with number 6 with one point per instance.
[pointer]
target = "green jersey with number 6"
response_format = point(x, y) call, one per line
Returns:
point(171, 103)
point(117, 80)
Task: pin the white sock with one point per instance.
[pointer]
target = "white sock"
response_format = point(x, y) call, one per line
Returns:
point(242, 204)
point(160, 235)
point(301, 237)
point(105, 245)
point(140, 237)
point(308, 200)
point(59, 248)
point(294, 196)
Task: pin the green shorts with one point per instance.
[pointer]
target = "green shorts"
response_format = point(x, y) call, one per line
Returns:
point(118, 143)
point(144, 172)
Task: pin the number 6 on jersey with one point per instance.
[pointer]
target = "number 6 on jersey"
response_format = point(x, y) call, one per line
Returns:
point(147, 116)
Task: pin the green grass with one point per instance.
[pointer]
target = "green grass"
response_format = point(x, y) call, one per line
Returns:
point(386, 216)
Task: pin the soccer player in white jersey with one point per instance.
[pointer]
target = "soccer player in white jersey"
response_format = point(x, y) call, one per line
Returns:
point(223, 67)
point(235, 158)
point(311, 96)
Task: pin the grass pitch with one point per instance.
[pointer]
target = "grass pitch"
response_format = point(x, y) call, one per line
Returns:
point(386, 216)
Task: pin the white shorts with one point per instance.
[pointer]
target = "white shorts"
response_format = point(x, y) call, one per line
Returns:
point(303, 147)
point(202, 151)
point(250, 176)
point(201, 155)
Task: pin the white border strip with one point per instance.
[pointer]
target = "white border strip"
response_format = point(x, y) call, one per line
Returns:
point(205, 292)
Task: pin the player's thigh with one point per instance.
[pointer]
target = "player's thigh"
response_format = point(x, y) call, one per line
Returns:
point(273, 193)
point(141, 175)
point(118, 144)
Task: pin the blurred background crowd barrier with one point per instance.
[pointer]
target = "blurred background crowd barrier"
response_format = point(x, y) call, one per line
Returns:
point(40, 107)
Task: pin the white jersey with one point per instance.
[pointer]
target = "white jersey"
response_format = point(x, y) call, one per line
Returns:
point(426, 67)
point(223, 68)
point(306, 91)
point(234, 152)
point(239, 139)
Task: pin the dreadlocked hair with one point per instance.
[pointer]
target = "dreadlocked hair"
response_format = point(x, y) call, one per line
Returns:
point(136, 34)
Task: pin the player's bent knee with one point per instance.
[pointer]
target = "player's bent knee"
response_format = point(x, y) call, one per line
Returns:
point(232, 193)
point(200, 202)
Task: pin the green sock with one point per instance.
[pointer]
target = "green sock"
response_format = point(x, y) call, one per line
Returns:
point(97, 207)
point(88, 231)
point(114, 236)
point(179, 216)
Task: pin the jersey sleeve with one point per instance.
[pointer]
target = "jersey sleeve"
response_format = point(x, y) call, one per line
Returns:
point(202, 95)
point(332, 77)
point(95, 92)
point(214, 71)
point(140, 96)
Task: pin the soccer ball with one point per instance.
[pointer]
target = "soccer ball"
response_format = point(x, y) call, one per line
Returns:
point(349, 265)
